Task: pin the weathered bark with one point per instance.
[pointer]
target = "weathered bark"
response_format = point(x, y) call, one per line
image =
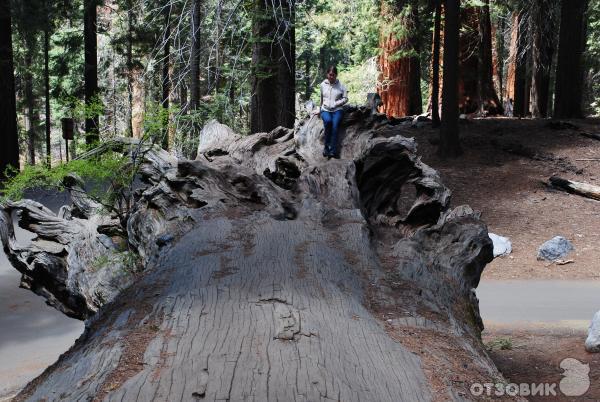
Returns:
point(399, 84)
point(269, 273)
point(569, 70)
point(9, 152)
point(272, 101)
point(449, 130)
point(542, 24)
point(91, 68)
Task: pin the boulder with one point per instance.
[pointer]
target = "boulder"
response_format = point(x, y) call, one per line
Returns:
point(554, 249)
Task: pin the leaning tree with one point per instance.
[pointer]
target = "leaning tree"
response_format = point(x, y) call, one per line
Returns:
point(264, 271)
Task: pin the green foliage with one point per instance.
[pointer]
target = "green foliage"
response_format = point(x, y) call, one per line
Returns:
point(593, 58)
point(360, 80)
point(95, 171)
point(342, 33)
point(500, 344)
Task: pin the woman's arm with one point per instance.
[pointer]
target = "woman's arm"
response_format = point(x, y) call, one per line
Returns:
point(344, 99)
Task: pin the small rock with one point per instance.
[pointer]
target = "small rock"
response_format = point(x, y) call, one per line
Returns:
point(502, 245)
point(554, 249)
point(592, 343)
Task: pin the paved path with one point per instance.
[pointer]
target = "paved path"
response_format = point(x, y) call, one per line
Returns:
point(32, 334)
point(539, 303)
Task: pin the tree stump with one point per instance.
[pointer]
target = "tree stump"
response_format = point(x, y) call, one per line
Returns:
point(267, 272)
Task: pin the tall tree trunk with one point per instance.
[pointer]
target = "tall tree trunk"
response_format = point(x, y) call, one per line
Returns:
point(286, 73)
point(500, 58)
point(307, 78)
point(542, 25)
point(138, 99)
point(166, 77)
point(476, 88)
point(488, 98)
point(31, 116)
point(195, 59)
point(91, 68)
point(569, 70)
point(9, 152)
point(449, 130)
point(272, 101)
point(129, 56)
point(521, 58)
point(435, 71)
point(47, 91)
point(400, 82)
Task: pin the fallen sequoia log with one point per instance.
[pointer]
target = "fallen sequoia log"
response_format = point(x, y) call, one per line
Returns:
point(266, 272)
point(576, 187)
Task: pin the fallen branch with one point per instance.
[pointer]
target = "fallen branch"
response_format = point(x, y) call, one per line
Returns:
point(593, 136)
point(575, 187)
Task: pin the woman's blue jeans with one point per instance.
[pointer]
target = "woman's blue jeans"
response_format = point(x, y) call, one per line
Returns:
point(331, 122)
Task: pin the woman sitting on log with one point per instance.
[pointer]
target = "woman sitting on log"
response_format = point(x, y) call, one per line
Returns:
point(333, 97)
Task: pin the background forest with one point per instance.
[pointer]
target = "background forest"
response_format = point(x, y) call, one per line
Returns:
point(162, 69)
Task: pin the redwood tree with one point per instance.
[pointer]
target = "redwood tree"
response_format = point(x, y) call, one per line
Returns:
point(569, 70)
point(400, 79)
point(9, 153)
point(476, 88)
point(449, 130)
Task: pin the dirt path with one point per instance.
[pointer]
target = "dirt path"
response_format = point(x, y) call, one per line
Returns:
point(495, 177)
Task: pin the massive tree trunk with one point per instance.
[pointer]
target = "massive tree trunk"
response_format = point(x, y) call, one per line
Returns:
point(488, 98)
point(517, 88)
point(542, 24)
point(267, 273)
point(9, 153)
point(399, 84)
point(449, 130)
point(569, 70)
point(476, 88)
point(272, 101)
point(91, 68)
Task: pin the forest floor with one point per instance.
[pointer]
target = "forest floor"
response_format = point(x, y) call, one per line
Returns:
point(501, 174)
point(534, 355)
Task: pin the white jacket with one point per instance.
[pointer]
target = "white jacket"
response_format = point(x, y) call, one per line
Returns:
point(333, 96)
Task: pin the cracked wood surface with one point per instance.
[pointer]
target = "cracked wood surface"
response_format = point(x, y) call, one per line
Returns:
point(271, 273)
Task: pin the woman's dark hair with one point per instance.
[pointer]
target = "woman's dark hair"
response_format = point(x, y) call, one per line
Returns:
point(332, 69)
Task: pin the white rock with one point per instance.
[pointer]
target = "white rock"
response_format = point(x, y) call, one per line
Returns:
point(592, 343)
point(502, 245)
